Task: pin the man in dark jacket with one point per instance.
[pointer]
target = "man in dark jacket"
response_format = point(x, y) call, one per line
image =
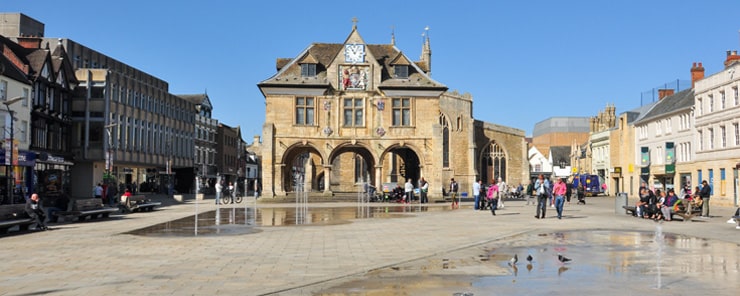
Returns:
point(33, 209)
point(705, 192)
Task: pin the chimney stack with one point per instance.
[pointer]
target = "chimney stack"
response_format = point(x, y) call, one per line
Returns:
point(30, 42)
point(732, 58)
point(665, 92)
point(697, 73)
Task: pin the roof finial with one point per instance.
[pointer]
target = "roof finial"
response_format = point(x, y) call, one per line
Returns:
point(354, 23)
point(393, 35)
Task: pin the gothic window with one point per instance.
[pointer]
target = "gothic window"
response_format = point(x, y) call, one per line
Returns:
point(445, 141)
point(493, 162)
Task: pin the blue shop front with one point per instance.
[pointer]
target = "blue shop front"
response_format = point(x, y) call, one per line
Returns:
point(19, 177)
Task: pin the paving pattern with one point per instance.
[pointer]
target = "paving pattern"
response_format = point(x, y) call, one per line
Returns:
point(96, 258)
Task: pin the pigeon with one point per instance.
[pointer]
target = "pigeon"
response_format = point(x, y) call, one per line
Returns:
point(529, 258)
point(513, 260)
point(563, 259)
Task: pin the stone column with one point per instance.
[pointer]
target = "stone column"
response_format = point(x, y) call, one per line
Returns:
point(378, 178)
point(279, 174)
point(327, 180)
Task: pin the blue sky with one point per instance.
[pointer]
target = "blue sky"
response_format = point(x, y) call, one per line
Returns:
point(523, 61)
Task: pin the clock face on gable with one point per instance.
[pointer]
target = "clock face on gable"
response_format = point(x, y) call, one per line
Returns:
point(354, 53)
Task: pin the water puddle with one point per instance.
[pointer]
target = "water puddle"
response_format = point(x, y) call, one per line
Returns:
point(236, 221)
point(626, 263)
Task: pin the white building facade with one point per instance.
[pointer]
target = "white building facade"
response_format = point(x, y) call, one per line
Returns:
point(663, 142)
point(718, 134)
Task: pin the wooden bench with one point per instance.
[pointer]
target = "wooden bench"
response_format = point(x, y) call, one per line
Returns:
point(14, 215)
point(89, 207)
point(134, 203)
point(692, 212)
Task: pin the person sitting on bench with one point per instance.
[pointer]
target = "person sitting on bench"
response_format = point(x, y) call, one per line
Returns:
point(33, 209)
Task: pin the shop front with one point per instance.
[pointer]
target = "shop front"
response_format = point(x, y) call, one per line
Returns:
point(17, 180)
point(52, 173)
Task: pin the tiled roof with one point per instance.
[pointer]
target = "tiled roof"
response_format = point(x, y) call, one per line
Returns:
point(60, 61)
point(11, 71)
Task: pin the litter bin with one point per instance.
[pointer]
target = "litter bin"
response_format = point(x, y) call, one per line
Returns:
point(619, 202)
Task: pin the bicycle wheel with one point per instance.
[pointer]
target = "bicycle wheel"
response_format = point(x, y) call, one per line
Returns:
point(238, 199)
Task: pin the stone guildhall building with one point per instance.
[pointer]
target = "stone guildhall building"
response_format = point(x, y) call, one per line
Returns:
point(338, 115)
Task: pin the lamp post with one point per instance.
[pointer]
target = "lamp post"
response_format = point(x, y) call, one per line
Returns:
point(10, 176)
point(109, 152)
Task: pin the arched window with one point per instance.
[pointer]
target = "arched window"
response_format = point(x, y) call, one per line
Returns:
point(493, 162)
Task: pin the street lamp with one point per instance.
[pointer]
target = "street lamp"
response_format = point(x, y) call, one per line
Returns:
point(11, 180)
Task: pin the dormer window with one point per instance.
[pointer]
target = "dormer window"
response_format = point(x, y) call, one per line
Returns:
point(308, 70)
point(401, 71)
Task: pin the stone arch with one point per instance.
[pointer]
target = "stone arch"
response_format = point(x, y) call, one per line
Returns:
point(300, 162)
point(352, 165)
point(494, 161)
point(401, 162)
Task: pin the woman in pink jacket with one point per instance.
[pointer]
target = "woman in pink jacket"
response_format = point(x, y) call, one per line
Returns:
point(492, 196)
point(559, 192)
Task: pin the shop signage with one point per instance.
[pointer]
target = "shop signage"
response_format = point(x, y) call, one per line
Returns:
point(670, 158)
point(617, 173)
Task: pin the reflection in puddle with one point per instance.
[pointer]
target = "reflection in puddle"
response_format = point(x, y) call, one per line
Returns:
point(619, 262)
point(233, 221)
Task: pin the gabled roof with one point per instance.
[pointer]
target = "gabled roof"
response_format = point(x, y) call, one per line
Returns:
point(198, 101)
point(677, 102)
point(324, 54)
point(37, 59)
point(61, 63)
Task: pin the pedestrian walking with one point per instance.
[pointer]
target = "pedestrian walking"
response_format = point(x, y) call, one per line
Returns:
point(408, 189)
point(219, 190)
point(704, 195)
point(476, 194)
point(424, 189)
point(453, 193)
point(493, 197)
point(559, 191)
point(542, 188)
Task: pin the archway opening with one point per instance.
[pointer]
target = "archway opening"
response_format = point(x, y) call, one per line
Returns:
point(401, 164)
point(351, 168)
point(301, 169)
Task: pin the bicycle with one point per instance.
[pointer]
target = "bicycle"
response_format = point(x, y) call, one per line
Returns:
point(228, 198)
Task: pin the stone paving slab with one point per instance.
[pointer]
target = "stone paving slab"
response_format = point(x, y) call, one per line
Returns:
point(92, 258)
